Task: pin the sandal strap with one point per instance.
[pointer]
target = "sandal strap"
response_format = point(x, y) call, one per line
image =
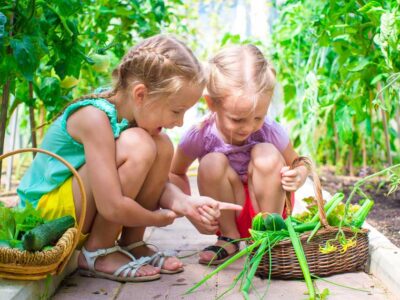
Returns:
point(91, 256)
point(131, 267)
point(229, 240)
point(219, 251)
point(158, 258)
point(133, 245)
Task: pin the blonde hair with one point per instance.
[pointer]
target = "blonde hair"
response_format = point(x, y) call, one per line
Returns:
point(240, 71)
point(162, 63)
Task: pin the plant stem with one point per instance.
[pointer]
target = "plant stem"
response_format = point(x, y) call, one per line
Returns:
point(32, 119)
point(357, 186)
point(225, 264)
point(385, 127)
point(298, 248)
point(3, 117)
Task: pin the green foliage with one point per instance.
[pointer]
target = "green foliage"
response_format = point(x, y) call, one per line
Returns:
point(44, 42)
point(340, 67)
point(14, 222)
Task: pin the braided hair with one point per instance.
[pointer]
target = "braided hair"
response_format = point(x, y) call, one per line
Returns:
point(162, 63)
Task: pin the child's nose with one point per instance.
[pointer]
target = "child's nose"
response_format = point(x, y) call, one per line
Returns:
point(179, 122)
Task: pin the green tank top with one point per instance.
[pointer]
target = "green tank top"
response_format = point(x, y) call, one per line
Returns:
point(47, 173)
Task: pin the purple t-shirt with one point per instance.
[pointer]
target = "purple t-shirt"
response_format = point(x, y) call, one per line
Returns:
point(204, 138)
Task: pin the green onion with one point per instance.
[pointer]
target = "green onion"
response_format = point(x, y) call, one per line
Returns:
point(305, 226)
point(225, 264)
point(262, 250)
point(298, 248)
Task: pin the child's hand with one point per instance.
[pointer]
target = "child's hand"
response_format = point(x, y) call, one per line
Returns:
point(205, 211)
point(293, 179)
point(165, 217)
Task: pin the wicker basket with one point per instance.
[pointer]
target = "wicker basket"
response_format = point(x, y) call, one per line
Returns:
point(25, 265)
point(284, 263)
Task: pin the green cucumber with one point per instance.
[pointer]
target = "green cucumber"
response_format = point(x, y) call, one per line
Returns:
point(258, 222)
point(274, 222)
point(360, 216)
point(47, 233)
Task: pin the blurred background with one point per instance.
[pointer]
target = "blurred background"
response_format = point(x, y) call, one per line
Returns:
point(337, 63)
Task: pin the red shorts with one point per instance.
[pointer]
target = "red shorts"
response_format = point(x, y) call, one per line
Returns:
point(243, 221)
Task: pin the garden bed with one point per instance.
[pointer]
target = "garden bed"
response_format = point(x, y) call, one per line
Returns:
point(385, 216)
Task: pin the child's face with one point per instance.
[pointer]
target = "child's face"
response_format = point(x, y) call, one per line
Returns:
point(157, 114)
point(237, 118)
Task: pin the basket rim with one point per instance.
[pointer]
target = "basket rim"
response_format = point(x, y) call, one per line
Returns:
point(60, 251)
point(80, 221)
point(304, 236)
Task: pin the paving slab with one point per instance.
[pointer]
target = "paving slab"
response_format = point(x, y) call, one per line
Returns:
point(40, 289)
point(184, 238)
point(285, 289)
point(78, 287)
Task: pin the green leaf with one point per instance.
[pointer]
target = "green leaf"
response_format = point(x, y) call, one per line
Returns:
point(67, 8)
point(369, 6)
point(378, 77)
point(27, 53)
point(344, 122)
point(7, 223)
point(360, 65)
point(50, 90)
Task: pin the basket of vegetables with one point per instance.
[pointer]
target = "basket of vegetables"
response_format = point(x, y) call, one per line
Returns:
point(327, 239)
point(32, 248)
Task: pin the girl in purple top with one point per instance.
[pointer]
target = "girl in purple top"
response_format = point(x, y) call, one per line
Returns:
point(243, 154)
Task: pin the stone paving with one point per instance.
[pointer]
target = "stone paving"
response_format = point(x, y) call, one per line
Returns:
point(183, 237)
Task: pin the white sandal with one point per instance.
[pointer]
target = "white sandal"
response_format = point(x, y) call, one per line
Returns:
point(121, 274)
point(157, 259)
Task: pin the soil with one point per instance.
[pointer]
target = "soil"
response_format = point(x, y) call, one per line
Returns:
point(385, 215)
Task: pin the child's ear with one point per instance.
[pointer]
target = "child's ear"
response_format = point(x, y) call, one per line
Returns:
point(139, 93)
point(210, 103)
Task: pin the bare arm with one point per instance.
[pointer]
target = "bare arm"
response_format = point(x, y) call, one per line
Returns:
point(179, 167)
point(202, 211)
point(91, 127)
point(292, 179)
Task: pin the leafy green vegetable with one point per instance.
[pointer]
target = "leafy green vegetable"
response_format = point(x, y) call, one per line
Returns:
point(7, 223)
point(15, 221)
point(26, 219)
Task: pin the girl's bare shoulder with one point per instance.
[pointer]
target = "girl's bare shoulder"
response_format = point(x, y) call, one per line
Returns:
point(88, 121)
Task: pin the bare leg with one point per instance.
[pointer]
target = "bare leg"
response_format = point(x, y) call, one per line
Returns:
point(135, 152)
point(218, 180)
point(265, 179)
point(149, 196)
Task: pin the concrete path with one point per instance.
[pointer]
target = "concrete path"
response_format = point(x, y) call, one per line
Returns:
point(183, 237)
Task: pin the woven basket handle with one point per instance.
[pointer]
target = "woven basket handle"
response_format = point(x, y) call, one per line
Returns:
point(305, 161)
point(81, 189)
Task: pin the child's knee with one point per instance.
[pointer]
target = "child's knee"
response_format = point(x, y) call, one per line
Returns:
point(266, 158)
point(137, 146)
point(213, 166)
point(165, 148)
